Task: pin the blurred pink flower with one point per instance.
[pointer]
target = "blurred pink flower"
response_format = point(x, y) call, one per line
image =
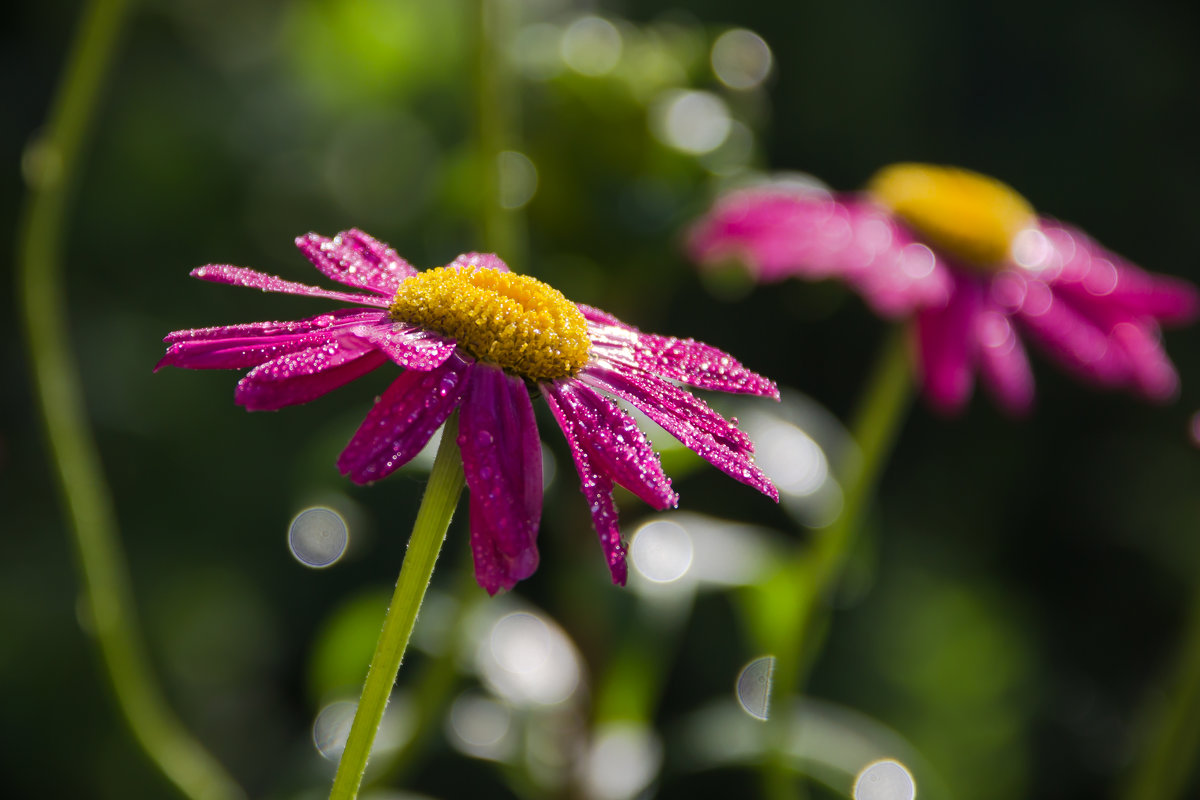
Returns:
point(978, 269)
point(475, 337)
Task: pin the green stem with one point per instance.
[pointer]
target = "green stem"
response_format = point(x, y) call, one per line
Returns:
point(1172, 725)
point(433, 518)
point(495, 113)
point(807, 582)
point(52, 167)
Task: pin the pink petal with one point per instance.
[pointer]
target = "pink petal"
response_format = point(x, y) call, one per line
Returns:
point(685, 360)
point(613, 441)
point(402, 421)
point(357, 260)
point(947, 346)
point(244, 276)
point(248, 345)
point(1003, 362)
point(1153, 375)
point(481, 260)
point(781, 232)
point(1088, 267)
point(299, 377)
point(1075, 339)
point(687, 418)
point(502, 459)
point(408, 346)
point(597, 490)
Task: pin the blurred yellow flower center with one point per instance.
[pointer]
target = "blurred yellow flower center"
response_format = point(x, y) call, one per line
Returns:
point(515, 321)
point(970, 216)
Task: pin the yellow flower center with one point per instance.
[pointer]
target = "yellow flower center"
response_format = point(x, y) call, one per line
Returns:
point(515, 321)
point(970, 216)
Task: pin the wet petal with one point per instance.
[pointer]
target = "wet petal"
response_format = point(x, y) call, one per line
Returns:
point(407, 345)
point(482, 260)
point(947, 346)
point(402, 421)
point(502, 459)
point(357, 260)
point(597, 490)
point(305, 375)
point(248, 345)
point(686, 360)
point(613, 442)
point(244, 276)
point(688, 419)
point(1073, 337)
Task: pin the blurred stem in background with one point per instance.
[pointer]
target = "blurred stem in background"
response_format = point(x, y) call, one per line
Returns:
point(789, 611)
point(1170, 724)
point(495, 110)
point(52, 167)
point(429, 531)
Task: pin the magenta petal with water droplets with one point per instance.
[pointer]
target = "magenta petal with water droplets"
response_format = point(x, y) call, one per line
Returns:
point(248, 345)
point(481, 260)
point(614, 442)
point(305, 375)
point(355, 259)
point(403, 420)
point(502, 460)
point(597, 490)
point(688, 419)
point(685, 360)
point(244, 276)
point(409, 346)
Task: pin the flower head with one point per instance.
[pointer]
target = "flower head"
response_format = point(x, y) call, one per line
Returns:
point(976, 266)
point(474, 337)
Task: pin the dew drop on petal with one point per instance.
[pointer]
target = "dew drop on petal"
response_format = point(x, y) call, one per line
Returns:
point(318, 537)
point(885, 780)
point(754, 686)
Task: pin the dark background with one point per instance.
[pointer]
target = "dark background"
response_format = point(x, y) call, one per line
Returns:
point(1024, 584)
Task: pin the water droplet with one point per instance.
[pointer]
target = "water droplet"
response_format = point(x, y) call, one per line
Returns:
point(754, 686)
point(331, 728)
point(318, 537)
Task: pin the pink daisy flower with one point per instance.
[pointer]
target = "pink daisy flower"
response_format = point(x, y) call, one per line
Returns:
point(475, 337)
point(978, 269)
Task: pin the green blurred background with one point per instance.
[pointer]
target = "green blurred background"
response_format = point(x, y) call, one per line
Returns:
point(1017, 601)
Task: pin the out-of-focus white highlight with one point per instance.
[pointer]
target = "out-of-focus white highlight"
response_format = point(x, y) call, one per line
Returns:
point(479, 726)
point(527, 659)
point(885, 780)
point(692, 121)
point(661, 551)
point(678, 552)
point(741, 59)
point(518, 179)
point(623, 760)
point(754, 687)
point(591, 46)
point(331, 728)
point(791, 445)
point(1031, 250)
point(318, 537)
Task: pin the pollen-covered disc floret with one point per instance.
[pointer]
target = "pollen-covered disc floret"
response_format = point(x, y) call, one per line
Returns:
point(517, 322)
point(970, 216)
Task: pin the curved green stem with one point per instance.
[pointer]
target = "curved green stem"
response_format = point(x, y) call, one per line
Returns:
point(433, 519)
point(796, 598)
point(1171, 725)
point(52, 166)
